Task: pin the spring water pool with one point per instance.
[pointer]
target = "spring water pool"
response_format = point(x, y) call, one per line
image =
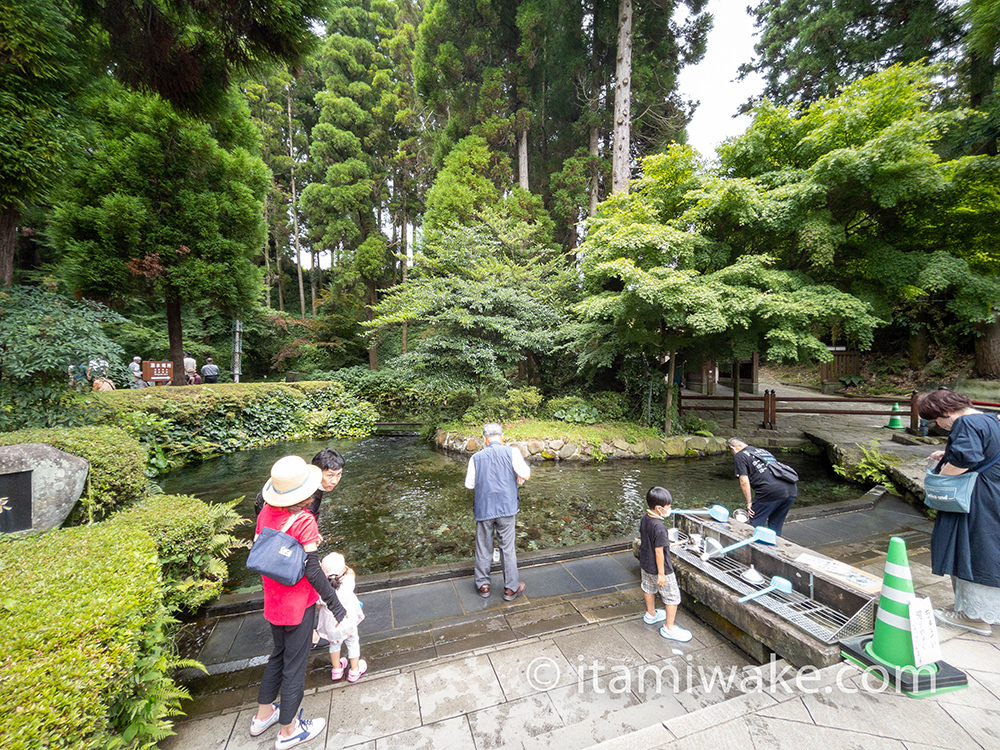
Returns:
point(401, 504)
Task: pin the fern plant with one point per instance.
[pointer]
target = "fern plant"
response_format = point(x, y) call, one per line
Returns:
point(872, 469)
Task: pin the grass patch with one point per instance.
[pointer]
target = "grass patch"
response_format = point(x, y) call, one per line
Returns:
point(581, 434)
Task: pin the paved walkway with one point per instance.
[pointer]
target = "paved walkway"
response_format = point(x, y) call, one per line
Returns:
point(572, 662)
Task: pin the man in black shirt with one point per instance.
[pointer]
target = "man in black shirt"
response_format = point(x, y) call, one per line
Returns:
point(768, 497)
point(331, 463)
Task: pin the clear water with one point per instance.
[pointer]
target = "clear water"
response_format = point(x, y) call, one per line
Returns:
point(402, 504)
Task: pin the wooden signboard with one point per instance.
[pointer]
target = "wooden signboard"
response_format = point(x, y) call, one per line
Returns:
point(157, 371)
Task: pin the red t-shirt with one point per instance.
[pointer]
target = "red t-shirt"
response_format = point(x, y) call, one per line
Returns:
point(285, 605)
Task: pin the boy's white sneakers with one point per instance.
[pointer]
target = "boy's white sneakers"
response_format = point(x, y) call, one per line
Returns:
point(676, 633)
point(659, 616)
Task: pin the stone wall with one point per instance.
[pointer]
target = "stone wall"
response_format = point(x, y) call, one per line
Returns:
point(554, 449)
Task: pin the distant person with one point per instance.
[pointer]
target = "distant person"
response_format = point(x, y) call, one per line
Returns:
point(135, 369)
point(97, 368)
point(966, 546)
point(210, 371)
point(289, 609)
point(345, 633)
point(331, 463)
point(495, 473)
point(190, 368)
point(768, 498)
point(656, 570)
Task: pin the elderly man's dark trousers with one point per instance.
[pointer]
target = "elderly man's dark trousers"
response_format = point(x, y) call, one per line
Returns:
point(771, 513)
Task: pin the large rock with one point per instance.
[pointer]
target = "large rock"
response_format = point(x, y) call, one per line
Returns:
point(654, 446)
point(697, 443)
point(676, 446)
point(566, 451)
point(39, 485)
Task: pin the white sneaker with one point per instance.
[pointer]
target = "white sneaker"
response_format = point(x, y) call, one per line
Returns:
point(959, 620)
point(305, 730)
point(659, 616)
point(258, 726)
point(676, 633)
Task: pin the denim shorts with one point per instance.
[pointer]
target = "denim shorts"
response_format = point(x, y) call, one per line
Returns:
point(669, 591)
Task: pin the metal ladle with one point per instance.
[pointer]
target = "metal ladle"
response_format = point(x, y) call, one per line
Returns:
point(760, 534)
point(777, 584)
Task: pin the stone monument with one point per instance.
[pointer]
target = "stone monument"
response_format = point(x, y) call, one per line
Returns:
point(39, 485)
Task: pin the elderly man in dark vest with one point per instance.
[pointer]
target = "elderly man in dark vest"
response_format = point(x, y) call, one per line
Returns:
point(495, 473)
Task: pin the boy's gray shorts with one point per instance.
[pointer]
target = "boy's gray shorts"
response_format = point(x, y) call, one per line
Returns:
point(669, 592)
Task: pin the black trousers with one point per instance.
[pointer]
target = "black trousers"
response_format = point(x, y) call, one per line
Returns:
point(286, 667)
point(771, 513)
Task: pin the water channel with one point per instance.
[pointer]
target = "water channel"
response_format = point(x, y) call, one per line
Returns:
point(402, 504)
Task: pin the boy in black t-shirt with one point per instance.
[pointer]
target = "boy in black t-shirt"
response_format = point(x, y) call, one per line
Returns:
point(657, 572)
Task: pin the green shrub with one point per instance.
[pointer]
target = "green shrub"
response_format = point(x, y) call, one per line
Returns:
point(407, 393)
point(517, 403)
point(85, 653)
point(117, 465)
point(560, 402)
point(195, 422)
point(692, 425)
point(192, 539)
point(613, 406)
point(580, 414)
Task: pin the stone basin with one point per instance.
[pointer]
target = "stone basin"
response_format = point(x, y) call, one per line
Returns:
point(830, 600)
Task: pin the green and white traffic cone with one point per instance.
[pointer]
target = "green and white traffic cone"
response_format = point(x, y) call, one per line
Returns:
point(893, 644)
point(895, 419)
point(889, 652)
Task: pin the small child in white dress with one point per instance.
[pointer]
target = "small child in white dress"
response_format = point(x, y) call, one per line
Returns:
point(343, 580)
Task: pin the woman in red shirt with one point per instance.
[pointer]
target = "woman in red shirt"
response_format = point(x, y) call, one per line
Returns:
point(289, 609)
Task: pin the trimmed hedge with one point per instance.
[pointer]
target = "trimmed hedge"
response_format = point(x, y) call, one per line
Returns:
point(78, 606)
point(84, 619)
point(178, 424)
point(192, 539)
point(117, 465)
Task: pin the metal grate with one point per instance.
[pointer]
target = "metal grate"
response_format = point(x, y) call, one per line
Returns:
point(819, 620)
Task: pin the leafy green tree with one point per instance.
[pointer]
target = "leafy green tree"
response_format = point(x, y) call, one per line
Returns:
point(810, 49)
point(535, 79)
point(654, 287)
point(46, 340)
point(189, 51)
point(485, 299)
point(39, 71)
point(165, 207)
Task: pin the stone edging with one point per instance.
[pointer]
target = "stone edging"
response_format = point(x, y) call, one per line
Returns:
point(554, 449)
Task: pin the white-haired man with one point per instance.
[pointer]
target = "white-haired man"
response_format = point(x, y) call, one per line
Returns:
point(495, 473)
point(768, 497)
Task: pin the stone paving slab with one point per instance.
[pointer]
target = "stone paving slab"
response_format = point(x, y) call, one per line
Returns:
point(456, 688)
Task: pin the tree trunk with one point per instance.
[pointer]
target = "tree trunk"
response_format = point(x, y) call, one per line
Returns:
point(295, 208)
point(988, 349)
point(313, 278)
point(8, 244)
point(176, 338)
point(267, 271)
point(982, 74)
point(623, 95)
point(919, 347)
point(406, 263)
point(522, 159)
point(277, 266)
point(373, 348)
point(595, 175)
point(668, 397)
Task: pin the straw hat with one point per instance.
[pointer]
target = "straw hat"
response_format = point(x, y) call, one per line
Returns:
point(334, 564)
point(292, 481)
